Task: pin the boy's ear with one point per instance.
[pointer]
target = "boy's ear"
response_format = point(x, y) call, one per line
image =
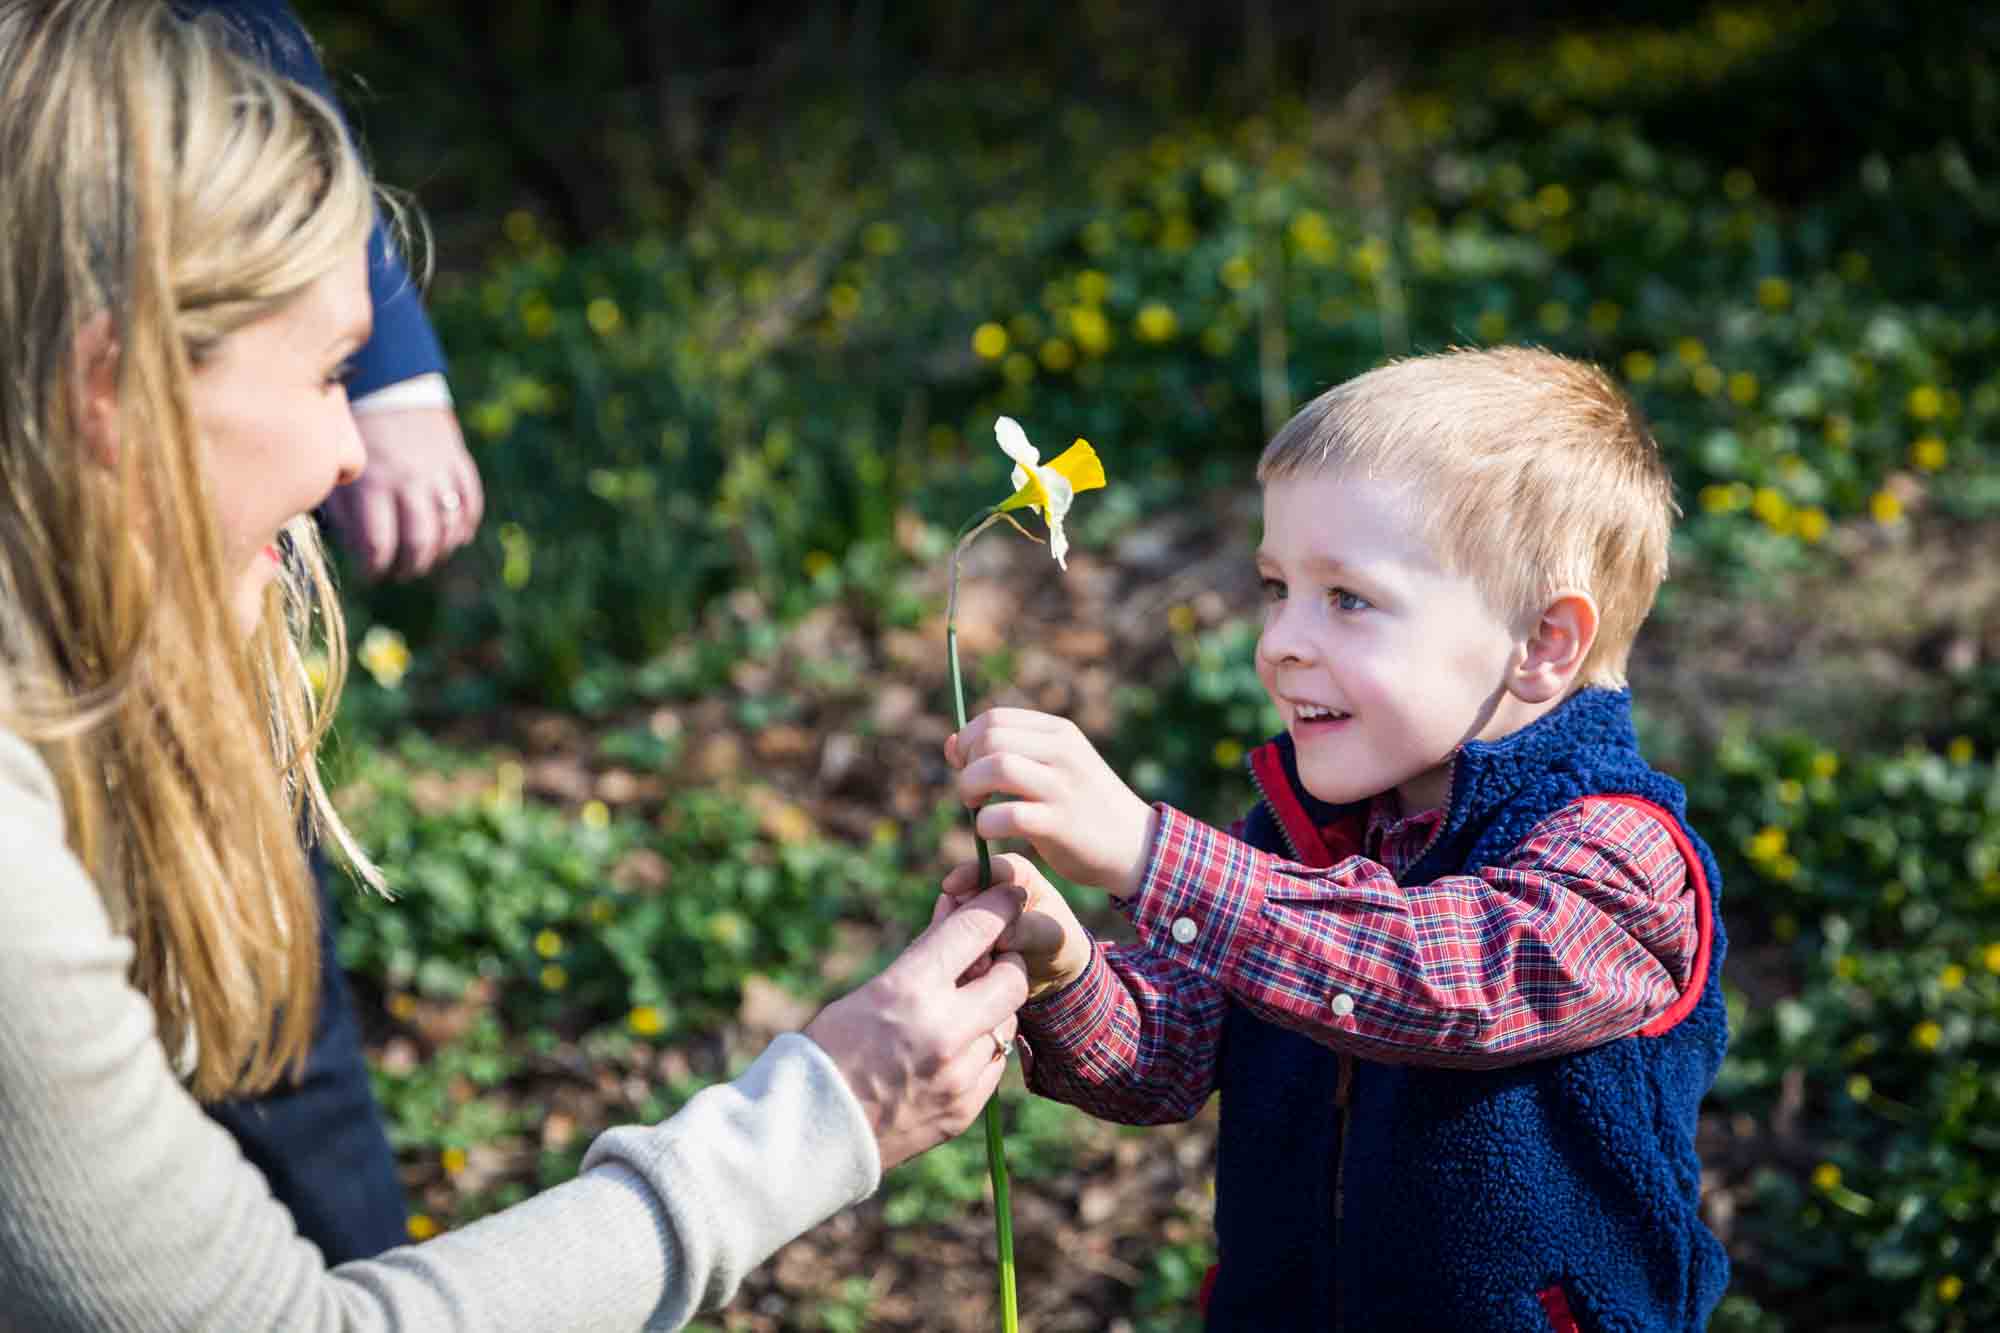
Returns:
point(94, 389)
point(1555, 648)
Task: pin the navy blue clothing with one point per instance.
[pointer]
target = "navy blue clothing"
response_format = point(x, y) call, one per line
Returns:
point(403, 344)
point(1359, 1195)
point(321, 1143)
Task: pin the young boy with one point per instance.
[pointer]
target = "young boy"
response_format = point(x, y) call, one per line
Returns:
point(1456, 975)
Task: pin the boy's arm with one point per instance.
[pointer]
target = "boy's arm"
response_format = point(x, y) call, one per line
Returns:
point(1132, 1040)
point(1584, 933)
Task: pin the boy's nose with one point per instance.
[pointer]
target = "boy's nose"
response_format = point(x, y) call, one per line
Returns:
point(1284, 639)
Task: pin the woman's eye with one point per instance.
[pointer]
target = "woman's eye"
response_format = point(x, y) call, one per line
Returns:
point(1274, 591)
point(1344, 600)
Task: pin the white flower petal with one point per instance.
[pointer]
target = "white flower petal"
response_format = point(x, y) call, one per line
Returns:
point(1014, 444)
point(1020, 476)
point(1058, 545)
point(1061, 493)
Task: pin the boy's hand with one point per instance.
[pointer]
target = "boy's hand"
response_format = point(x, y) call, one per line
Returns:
point(1082, 819)
point(1052, 943)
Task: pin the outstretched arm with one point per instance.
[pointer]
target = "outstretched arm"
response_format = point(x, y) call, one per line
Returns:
point(1584, 933)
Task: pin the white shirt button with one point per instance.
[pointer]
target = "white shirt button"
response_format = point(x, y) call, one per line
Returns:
point(1184, 929)
point(1343, 1005)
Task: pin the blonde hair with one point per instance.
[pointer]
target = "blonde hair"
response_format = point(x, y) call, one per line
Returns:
point(1531, 473)
point(166, 191)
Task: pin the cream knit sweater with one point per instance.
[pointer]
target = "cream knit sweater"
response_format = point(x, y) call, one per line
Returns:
point(123, 1207)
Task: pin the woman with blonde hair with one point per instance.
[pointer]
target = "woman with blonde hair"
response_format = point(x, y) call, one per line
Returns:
point(183, 279)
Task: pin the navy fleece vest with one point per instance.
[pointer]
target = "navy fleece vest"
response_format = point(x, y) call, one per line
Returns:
point(1557, 1194)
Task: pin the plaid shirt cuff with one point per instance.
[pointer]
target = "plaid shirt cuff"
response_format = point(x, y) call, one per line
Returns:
point(1079, 1014)
point(1196, 895)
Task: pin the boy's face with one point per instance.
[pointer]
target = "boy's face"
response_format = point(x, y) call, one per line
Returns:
point(1381, 662)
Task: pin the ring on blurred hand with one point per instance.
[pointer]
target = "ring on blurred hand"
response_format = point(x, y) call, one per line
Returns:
point(1001, 1049)
point(449, 501)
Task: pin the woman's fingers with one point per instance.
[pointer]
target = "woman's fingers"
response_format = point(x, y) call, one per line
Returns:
point(942, 953)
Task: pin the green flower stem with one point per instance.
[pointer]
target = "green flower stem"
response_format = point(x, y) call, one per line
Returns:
point(996, 1148)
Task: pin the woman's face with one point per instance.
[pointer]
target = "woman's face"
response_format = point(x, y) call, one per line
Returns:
point(271, 405)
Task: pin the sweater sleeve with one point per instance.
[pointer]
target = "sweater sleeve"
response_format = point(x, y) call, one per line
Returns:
point(123, 1207)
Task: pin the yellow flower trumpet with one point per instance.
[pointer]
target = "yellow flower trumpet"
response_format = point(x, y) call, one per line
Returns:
point(1047, 487)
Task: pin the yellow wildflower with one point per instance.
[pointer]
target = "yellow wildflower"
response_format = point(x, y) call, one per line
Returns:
point(386, 656)
point(989, 341)
point(1156, 323)
point(1769, 844)
point(646, 1020)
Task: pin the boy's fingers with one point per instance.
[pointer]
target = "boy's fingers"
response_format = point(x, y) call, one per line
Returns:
point(1020, 730)
point(1036, 934)
point(1006, 775)
point(1008, 868)
point(1013, 819)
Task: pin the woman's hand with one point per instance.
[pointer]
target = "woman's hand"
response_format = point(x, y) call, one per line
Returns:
point(1054, 946)
point(922, 1052)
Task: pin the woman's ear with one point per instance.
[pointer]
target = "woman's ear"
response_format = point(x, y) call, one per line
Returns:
point(94, 389)
point(1555, 649)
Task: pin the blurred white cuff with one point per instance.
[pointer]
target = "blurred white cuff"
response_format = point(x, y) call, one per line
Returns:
point(417, 391)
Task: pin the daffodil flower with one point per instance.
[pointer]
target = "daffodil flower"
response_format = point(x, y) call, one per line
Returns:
point(1050, 488)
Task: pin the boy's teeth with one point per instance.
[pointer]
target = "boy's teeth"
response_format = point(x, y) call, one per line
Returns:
point(1312, 712)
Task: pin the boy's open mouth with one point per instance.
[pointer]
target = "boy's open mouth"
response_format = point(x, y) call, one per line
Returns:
point(1317, 715)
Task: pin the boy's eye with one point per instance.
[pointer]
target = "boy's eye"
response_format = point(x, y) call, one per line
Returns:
point(340, 374)
point(1274, 590)
point(1343, 600)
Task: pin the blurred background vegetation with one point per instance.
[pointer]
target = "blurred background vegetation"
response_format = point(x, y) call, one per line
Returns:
point(732, 296)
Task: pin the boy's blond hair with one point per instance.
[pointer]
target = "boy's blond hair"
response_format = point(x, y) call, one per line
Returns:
point(1531, 473)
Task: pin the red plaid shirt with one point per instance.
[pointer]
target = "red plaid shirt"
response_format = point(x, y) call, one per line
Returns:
point(1583, 934)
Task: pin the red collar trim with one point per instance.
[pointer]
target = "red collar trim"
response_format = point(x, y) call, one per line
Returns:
point(1316, 847)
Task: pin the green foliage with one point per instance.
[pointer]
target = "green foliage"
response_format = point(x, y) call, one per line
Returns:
point(535, 900)
point(1879, 875)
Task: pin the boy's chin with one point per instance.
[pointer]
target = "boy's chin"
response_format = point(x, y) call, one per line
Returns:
point(1335, 789)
